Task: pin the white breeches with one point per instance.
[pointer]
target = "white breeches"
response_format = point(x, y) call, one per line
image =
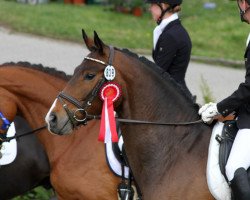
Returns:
point(240, 153)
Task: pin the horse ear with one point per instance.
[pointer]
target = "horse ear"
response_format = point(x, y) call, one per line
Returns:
point(88, 41)
point(98, 43)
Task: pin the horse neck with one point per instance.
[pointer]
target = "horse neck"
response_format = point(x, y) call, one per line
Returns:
point(152, 98)
point(33, 91)
point(30, 93)
point(157, 96)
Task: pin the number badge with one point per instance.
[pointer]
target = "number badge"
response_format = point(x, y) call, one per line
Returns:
point(109, 73)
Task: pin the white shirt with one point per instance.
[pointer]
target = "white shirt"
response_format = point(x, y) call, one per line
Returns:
point(158, 29)
point(248, 39)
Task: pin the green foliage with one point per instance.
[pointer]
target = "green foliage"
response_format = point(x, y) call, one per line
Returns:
point(215, 33)
point(206, 92)
point(61, 21)
point(218, 32)
point(127, 3)
point(39, 193)
point(117, 2)
point(136, 3)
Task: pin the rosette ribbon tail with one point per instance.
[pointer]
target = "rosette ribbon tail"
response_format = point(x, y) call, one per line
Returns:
point(108, 131)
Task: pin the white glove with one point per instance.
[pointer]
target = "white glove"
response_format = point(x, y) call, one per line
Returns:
point(208, 112)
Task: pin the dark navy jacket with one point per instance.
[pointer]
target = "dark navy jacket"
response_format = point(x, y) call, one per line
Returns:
point(173, 50)
point(239, 101)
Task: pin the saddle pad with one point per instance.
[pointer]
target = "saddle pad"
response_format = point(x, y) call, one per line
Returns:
point(217, 183)
point(112, 161)
point(9, 149)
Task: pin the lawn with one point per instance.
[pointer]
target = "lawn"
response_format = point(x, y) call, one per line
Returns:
point(215, 33)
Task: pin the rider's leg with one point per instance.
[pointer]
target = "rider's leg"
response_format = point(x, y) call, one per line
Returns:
point(237, 164)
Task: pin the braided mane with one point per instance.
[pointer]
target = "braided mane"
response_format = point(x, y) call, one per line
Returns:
point(39, 67)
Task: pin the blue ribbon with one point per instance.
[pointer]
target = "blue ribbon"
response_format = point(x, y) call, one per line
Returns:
point(6, 123)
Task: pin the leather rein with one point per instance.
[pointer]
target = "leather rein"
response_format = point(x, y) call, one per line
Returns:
point(90, 97)
point(5, 126)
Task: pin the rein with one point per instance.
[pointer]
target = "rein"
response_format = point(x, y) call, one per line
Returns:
point(133, 121)
point(6, 125)
point(7, 139)
point(158, 123)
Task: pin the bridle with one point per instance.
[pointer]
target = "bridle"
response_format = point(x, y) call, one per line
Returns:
point(81, 108)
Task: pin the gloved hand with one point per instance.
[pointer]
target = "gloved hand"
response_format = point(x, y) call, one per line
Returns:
point(208, 112)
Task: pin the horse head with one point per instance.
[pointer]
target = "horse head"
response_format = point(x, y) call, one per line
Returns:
point(79, 101)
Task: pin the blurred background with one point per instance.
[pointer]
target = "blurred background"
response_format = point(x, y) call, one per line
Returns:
point(214, 27)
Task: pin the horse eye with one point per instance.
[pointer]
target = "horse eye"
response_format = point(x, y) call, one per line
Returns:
point(89, 76)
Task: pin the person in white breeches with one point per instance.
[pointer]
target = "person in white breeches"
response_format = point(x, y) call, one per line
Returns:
point(240, 153)
point(239, 102)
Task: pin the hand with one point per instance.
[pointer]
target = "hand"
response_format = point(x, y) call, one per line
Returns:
point(208, 112)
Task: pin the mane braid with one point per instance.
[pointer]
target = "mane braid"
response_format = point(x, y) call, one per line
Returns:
point(39, 67)
point(162, 73)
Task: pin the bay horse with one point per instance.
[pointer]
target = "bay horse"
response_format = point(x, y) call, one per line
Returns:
point(167, 161)
point(30, 167)
point(78, 168)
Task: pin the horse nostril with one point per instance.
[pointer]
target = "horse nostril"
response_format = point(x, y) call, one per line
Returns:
point(52, 119)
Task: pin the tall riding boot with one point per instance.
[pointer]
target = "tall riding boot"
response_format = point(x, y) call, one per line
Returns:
point(240, 185)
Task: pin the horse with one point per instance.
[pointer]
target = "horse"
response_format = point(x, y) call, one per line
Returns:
point(78, 168)
point(166, 152)
point(29, 169)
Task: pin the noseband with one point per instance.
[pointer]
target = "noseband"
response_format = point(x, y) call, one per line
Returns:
point(88, 100)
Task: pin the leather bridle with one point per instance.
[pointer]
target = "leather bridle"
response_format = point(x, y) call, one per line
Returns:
point(81, 108)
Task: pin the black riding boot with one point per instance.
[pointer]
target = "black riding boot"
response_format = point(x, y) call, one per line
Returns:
point(240, 185)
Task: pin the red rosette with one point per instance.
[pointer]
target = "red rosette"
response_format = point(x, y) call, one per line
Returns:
point(111, 90)
point(109, 93)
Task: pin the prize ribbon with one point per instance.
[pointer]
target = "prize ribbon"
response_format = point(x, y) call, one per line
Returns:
point(109, 93)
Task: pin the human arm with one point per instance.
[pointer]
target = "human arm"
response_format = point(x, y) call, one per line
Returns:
point(166, 51)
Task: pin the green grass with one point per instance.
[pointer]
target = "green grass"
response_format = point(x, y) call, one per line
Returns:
point(62, 21)
point(39, 193)
point(215, 33)
point(206, 91)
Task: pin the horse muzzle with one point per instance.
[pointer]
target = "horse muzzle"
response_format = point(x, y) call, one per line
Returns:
point(58, 125)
